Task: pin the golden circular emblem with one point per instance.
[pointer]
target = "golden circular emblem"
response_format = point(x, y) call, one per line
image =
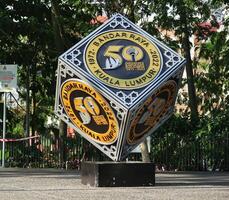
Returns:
point(154, 108)
point(89, 111)
point(123, 59)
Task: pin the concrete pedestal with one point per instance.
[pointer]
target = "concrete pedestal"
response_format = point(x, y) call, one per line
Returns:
point(118, 174)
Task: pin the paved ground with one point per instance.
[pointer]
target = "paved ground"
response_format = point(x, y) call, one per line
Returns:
point(48, 184)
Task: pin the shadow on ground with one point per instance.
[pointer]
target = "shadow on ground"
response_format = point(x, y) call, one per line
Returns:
point(39, 173)
point(192, 179)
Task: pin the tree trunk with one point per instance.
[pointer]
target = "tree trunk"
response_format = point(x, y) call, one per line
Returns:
point(27, 122)
point(189, 70)
point(57, 27)
point(144, 151)
point(59, 43)
point(132, 12)
point(62, 144)
point(190, 79)
point(34, 101)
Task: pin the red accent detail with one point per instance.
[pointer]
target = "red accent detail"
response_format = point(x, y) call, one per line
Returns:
point(207, 28)
point(19, 139)
point(70, 132)
point(100, 19)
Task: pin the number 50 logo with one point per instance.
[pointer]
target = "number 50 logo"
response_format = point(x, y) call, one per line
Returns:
point(129, 53)
point(86, 107)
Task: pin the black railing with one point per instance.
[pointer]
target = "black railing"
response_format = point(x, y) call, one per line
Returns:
point(205, 153)
point(169, 153)
point(45, 152)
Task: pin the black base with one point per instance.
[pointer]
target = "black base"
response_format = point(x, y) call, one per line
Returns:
point(117, 174)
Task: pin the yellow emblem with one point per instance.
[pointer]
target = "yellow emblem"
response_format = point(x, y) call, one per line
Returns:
point(152, 111)
point(89, 111)
point(123, 59)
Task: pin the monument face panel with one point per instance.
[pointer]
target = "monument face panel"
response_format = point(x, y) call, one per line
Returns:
point(117, 86)
point(145, 117)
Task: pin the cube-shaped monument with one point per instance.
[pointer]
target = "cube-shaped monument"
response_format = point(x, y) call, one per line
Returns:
point(117, 86)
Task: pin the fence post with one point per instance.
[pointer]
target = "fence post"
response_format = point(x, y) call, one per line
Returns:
point(4, 131)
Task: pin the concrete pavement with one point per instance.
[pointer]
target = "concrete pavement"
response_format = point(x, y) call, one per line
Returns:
point(52, 184)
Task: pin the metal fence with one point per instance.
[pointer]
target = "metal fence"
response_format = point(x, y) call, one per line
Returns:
point(205, 153)
point(45, 152)
point(168, 153)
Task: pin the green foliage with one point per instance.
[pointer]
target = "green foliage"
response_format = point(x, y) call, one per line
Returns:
point(28, 39)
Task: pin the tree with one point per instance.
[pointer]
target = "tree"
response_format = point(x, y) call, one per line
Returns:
point(26, 44)
point(182, 17)
point(211, 66)
point(33, 36)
